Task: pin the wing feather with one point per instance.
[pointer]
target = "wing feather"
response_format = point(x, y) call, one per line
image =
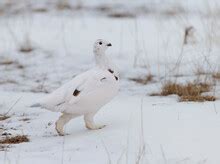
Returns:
point(84, 83)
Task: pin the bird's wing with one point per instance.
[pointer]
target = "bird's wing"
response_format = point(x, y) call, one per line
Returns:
point(92, 82)
point(74, 90)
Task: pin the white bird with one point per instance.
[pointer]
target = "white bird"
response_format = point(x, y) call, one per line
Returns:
point(86, 93)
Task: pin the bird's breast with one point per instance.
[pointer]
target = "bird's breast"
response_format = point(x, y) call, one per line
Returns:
point(97, 98)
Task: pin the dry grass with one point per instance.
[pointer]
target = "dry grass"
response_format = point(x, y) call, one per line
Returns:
point(40, 10)
point(188, 92)
point(3, 117)
point(26, 49)
point(188, 32)
point(198, 98)
point(184, 90)
point(145, 80)
point(216, 75)
point(9, 62)
point(200, 71)
point(6, 62)
point(8, 81)
point(63, 5)
point(103, 8)
point(25, 119)
point(155, 94)
point(121, 15)
point(26, 46)
point(14, 140)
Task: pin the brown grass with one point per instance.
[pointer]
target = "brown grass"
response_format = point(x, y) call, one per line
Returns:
point(26, 46)
point(187, 34)
point(25, 119)
point(14, 140)
point(103, 8)
point(188, 92)
point(11, 62)
point(145, 80)
point(155, 94)
point(6, 62)
point(7, 81)
point(40, 10)
point(184, 90)
point(121, 15)
point(26, 49)
point(216, 75)
point(200, 72)
point(198, 98)
point(63, 6)
point(3, 117)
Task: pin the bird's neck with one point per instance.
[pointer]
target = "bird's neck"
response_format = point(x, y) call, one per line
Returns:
point(102, 61)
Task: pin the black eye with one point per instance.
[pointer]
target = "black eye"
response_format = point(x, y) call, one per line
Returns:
point(100, 43)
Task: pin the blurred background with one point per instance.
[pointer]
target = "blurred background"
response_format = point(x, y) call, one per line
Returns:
point(45, 43)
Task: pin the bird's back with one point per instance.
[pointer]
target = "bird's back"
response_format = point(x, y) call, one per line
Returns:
point(95, 88)
point(59, 96)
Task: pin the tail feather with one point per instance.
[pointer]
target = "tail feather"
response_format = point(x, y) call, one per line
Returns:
point(35, 105)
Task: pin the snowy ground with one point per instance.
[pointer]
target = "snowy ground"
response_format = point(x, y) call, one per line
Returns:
point(144, 42)
point(173, 133)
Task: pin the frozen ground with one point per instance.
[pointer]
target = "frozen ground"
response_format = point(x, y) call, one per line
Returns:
point(62, 47)
point(144, 42)
point(173, 133)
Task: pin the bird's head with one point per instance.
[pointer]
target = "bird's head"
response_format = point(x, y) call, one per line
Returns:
point(100, 46)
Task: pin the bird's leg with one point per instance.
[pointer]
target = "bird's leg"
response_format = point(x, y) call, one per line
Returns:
point(89, 122)
point(63, 119)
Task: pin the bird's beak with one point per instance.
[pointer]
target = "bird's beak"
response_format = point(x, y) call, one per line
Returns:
point(109, 44)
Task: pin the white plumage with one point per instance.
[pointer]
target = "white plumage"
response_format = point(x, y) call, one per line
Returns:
point(86, 93)
point(96, 87)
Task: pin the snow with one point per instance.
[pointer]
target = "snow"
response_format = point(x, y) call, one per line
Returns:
point(173, 132)
point(50, 65)
point(184, 131)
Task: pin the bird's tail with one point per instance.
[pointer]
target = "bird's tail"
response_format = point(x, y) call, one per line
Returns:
point(35, 105)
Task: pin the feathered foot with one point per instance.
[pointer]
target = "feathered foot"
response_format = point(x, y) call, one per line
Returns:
point(89, 122)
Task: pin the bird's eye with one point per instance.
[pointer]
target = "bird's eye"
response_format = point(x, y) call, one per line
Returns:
point(100, 43)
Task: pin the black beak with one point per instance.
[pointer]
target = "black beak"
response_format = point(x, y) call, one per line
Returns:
point(109, 45)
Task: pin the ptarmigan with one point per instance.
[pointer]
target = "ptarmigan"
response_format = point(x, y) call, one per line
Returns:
point(85, 94)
